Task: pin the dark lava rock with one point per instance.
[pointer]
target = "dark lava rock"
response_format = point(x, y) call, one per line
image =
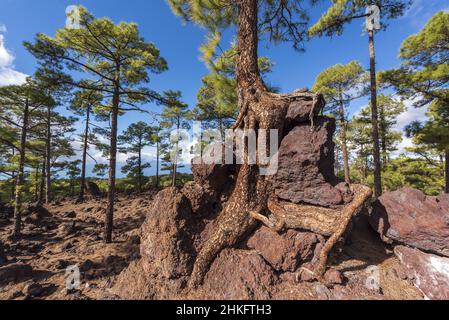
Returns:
point(284, 252)
point(306, 165)
point(410, 217)
point(239, 275)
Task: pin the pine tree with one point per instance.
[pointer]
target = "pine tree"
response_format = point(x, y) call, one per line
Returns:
point(117, 60)
point(84, 104)
point(18, 104)
point(423, 76)
point(331, 23)
point(176, 116)
point(279, 21)
point(340, 84)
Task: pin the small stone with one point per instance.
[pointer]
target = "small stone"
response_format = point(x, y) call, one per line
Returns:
point(71, 215)
point(134, 240)
point(62, 264)
point(334, 277)
point(86, 265)
point(33, 290)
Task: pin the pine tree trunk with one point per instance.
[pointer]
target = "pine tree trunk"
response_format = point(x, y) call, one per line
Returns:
point(83, 165)
point(36, 183)
point(446, 189)
point(20, 174)
point(109, 223)
point(13, 179)
point(383, 135)
point(48, 194)
point(344, 145)
point(374, 119)
point(175, 160)
point(140, 167)
point(40, 200)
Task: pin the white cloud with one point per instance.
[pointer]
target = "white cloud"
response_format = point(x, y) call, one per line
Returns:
point(8, 74)
point(408, 116)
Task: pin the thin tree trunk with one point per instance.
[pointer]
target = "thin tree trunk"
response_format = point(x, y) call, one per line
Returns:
point(48, 195)
point(344, 146)
point(13, 179)
point(20, 175)
point(83, 165)
point(140, 166)
point(40, 200)
point(157, 164)
point(446, 189)
point(109, 223)
point(36, 183)
point(374, 119)
point(175, 160)
point(383, 135)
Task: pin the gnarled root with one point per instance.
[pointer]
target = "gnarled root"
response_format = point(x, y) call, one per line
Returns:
point(361, 195)
point(324, 221)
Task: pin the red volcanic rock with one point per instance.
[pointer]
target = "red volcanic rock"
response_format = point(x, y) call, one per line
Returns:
point(284, 252)
point(300, 109)
point(410, 217)
point(306, 165)
point(430, 273)
point(239, 275)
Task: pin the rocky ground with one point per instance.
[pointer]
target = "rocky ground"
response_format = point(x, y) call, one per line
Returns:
point(67, 234)
point(267, 266)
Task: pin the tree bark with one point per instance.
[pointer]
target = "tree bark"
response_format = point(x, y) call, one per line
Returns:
point(48, 194)
point(83, 165)
point(20, 174)
point(383, 135)
point(140, 166)
point(109, 223)
point(36, 183)
point(374, 119)
point(157, 164)
point(175, 160)
point(446, 189)
point(40, 200)
point(344, 146)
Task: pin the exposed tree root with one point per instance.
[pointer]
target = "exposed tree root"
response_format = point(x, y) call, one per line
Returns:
point(324, 221)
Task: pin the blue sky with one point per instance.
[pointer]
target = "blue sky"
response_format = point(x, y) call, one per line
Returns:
point(21, 19)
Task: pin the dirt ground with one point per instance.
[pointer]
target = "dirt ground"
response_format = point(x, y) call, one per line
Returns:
point(71, 234)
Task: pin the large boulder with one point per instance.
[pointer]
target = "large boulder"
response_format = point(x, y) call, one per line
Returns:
point(166, 236)
point(410, 217)
point(284, 252)
point(306, 165)
point(239, 275)
point(429, 273)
